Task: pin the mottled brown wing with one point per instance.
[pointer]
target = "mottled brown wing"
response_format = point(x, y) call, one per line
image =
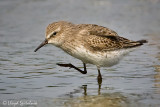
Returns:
point(93, 29)
point(109, 42)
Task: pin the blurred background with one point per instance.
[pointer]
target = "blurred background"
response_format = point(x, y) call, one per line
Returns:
point(29, 76)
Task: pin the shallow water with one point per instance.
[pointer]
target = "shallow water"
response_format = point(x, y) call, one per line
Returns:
point(28, 76)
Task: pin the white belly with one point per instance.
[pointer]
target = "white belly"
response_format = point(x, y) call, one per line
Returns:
point(100, 59)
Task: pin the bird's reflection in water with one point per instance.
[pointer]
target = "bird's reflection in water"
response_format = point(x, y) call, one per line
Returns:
point(85, 89)
point(99, 80)
point(89, 100)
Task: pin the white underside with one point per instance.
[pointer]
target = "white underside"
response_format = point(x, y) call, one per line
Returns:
point(100, 59)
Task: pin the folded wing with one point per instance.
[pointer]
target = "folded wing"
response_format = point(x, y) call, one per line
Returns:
point(101, 42)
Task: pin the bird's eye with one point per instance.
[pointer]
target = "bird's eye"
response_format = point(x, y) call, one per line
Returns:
point(54, 33)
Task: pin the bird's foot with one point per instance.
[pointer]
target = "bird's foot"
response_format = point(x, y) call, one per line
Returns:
point(65, 65)
point(72, 66)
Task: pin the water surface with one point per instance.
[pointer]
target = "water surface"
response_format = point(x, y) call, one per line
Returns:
point(29, 76)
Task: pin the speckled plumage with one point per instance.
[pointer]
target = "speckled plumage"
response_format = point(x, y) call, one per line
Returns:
point(96, 38)
point(90, 43)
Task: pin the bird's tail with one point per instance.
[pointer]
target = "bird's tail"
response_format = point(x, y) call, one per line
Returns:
point(142, 41)
point(133, 44)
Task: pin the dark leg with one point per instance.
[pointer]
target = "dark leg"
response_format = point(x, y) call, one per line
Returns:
point(99, 77)
point(72, 66)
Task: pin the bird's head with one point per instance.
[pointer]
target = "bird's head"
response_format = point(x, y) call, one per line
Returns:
point(54, 34)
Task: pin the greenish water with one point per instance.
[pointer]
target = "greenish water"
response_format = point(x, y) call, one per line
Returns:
point(33, 79)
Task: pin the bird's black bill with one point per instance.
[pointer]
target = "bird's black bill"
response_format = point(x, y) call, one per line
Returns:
point(41, 45)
